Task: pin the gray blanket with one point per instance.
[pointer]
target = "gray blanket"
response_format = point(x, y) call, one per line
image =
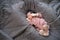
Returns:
point(13, 23)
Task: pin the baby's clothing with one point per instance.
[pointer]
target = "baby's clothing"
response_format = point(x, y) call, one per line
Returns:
point(38, 22)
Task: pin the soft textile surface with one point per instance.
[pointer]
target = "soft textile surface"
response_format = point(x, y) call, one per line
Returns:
point(13, 19)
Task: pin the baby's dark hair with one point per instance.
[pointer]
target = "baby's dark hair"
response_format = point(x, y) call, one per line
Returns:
point(32, 11)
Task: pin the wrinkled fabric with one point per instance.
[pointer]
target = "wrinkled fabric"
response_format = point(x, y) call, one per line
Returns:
point(14, 24)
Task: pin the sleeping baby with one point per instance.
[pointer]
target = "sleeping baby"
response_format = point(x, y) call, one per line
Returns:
point(39, 23)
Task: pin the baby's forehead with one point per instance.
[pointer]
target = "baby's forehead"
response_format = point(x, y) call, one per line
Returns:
point(29, 13)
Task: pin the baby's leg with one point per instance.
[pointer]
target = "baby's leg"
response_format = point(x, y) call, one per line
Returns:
point(45, 30)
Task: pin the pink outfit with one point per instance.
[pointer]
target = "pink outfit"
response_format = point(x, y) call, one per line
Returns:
point(38, 22)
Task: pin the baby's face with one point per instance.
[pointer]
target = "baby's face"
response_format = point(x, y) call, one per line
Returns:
point(29, 15)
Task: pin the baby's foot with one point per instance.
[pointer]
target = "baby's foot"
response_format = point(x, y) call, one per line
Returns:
point(44, 33)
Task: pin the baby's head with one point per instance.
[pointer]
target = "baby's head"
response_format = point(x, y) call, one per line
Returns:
point(30, 15)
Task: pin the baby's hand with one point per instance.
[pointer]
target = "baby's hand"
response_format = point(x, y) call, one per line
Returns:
point(29, 21)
